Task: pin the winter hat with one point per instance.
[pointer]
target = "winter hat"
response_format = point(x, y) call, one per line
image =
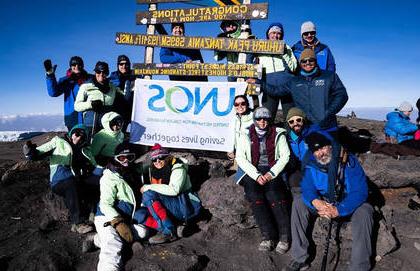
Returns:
point(76, 60)
point(177, 24)
point(307, 27)
point(295, 111)
point(81, 127)
point(123, 154)
point(123, 58)
point(307, 53)
point(405, 106)
point(316, 141)
point(262, 113)
point(158, 152)
point(101, 67)
point(275, 28)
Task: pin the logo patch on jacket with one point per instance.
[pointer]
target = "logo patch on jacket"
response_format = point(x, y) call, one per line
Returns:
point(319, 83)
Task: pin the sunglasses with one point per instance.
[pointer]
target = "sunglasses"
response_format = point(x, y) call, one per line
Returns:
point(240, 104)
point(159, 158)
point(76, 64)
point(308, 60)
point(259, 119)
point(312, 33)
point(102, 72)
point(123, 64)
point(298, 120)
point(117, 122)
point(125, 156)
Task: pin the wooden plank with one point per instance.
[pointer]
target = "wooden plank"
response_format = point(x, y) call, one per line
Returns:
point(204, 14)
point(199, 69)
point(205, 43)
point(159, 1)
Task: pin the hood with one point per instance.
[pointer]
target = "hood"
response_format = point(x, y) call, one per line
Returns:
point(106, 119)
point(275, 24)
point(78, 126)
point(235, 34)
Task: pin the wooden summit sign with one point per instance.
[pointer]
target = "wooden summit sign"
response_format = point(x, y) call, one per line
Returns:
point(204, 14)
point(199, 69)
point(206, 43)
point(159, 1)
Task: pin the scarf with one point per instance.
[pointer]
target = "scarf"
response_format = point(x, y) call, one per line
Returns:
point(80, 78)
point(104, 88)
point(309, 74)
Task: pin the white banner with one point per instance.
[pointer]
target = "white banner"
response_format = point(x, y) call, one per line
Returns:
point(183, 114)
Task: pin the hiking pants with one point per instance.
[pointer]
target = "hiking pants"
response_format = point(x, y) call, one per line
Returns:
point(111, 243)
point(362, 222)
point(269, 207)
point(272, 104)
point(68, 190)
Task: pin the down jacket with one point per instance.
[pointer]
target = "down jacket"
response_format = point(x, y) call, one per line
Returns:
point(399, 126)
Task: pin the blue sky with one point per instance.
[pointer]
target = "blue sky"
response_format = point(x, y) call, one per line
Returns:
point(375, 44)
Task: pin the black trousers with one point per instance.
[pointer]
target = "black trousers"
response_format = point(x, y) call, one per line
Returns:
point(68, 190)
point(272, 104)
point(269, 207)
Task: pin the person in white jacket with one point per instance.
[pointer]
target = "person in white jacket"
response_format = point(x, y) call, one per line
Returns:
point(263, 155)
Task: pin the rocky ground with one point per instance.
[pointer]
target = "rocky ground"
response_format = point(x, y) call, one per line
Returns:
point(35, 233)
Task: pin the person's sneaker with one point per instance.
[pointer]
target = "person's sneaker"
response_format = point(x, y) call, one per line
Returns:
point(266, 245)
point(414, 203)
point(282, 247)
point(295, 266)
point(81, 228)
point(161, 238)
point(180, 230)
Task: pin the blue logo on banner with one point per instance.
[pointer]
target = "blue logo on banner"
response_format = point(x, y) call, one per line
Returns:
point(193, 100)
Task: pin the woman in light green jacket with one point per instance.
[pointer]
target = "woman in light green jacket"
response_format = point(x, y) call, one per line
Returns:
point(70, 157)
point(96, 97)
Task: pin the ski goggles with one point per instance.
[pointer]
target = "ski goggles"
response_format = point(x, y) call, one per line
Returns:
point(125, 157)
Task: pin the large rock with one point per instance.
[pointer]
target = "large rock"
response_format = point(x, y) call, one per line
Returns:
point(387, 172)
point(225, 201)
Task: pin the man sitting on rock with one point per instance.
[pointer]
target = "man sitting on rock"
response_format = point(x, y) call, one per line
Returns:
point(321, 197)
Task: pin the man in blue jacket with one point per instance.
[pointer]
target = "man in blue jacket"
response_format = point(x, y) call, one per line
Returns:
point(318, 199)
point(173, 56)
point(123, 78)
point(399, 126)
point(69, 86)
point(320, 94)
point(308, 40)
point(297, 130)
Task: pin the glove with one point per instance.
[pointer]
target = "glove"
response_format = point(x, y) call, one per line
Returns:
point(49, 68)
point(96, 105)
point(29, 149)
point(98, 171)
point(122, 228)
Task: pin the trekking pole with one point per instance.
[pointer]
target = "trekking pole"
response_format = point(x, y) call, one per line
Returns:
point(338, 190)
point(326, 247)
point(93, 126)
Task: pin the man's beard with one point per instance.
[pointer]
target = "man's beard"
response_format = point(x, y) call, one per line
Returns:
point(325, 159)
point(297, 128)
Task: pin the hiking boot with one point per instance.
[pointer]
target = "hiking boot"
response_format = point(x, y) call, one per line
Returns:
point(282, 247)
point(180, 230)
point(81, 228)
point(266, 245)
point(295, 266)
point(414, 203)
point(161, 238)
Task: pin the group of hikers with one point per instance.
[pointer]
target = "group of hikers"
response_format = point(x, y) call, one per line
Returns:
point(129, 200)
